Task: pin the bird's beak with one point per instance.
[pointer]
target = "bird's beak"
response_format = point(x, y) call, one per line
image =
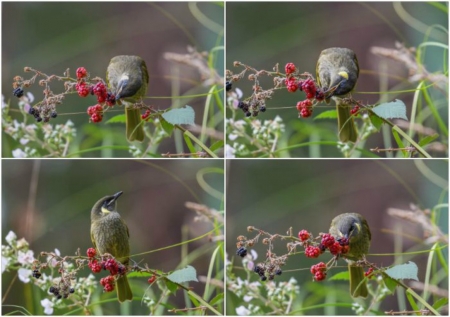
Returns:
point(116, 196)
point(121, 85)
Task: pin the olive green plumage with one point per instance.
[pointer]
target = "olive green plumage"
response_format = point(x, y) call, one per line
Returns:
point(109, 234)
point(127, 77)
point(337, 71)
point(354, 227)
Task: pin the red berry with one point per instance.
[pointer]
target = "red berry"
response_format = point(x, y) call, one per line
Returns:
point(108, 288)
point(345, 249)
point(95, 266)
point(91, 252)
point(305, 112)
point(81, 72)
point(151, 279)
point(289, 68)
point(354, 110)
point(82, 89)
point(312, 252)
point(303, 235)
point(112, 266)
point(96, 117)
point(320, 95)
point(291, 84)
point(335, 248)
point(369, 273)
point(319, 276)
point(108, 280)
point(98, 108)
point(327, 240)
point(319, 267)
point(309, 87)
point(110, 99)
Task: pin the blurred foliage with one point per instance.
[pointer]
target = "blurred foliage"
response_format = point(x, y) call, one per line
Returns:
point(275, 195)
point(48, 202)
point(280, 33)
point(69, 35)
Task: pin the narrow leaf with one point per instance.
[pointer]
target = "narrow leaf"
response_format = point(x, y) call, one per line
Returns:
point(428, 139)
point(121, 118)
point(404, 271)
point(184, 115)
point(166, 126)
point(184, 275)
point(340, 276)
point(391, 110)
point(217, 145)
point(329, 114)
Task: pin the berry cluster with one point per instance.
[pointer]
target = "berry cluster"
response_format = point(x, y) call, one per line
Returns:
point(319, 271)
point(369, 272)
point(146, 114)
point(314, 93)
point(61, 292)
point(354, 110)
point(251, 109)
point(108, 283)
point(115, 268)
point(96, 113)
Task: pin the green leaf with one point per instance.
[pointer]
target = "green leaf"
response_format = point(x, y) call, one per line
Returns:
point(440, 302)
point(403, 271)
point(189, 143)
point(217, 145)
point(171, 286)
point(184, 115)
point(217, 299)
point(391, 110)
point(184, 275)
point(376, 121)
point(166, 126)
point(390, 283)
point(428, 139)
point(120, 118)
point(329, 114)
point(340, 276)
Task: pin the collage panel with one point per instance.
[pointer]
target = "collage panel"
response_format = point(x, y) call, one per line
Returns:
point(112, 237)
point(113, 79)
point(336, 237)
point(337, 79)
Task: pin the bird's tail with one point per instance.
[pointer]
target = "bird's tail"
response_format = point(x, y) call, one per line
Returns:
point(123, 289)
point(357, 289)
point(347, 129)
point(135, 130)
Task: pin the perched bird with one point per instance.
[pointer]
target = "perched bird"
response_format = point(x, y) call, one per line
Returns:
point(337, 72)
point(109, 234)
point(353, 227)
point(127, 77)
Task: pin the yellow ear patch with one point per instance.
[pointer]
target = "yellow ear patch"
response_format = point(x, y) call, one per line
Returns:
point(343, 74)
point(105, 211)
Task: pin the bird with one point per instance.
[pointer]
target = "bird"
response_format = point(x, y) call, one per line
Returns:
point(109, 234)
point(355, 228)
point(127, 78)
point(337, 72)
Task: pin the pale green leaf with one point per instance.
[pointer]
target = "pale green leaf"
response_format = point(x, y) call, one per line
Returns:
point(391, 110)
point(184, 275)
point(121, 118)
point(340, 276)
point(184, 115)
point(403, 271)
point(329, 114)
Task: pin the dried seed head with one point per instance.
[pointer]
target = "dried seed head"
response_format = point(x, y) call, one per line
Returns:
point(250, 228)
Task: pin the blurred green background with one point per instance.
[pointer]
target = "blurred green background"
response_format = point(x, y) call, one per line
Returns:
point(54, 36)
point(49, 203)
point(266, 33)
point(274, 195)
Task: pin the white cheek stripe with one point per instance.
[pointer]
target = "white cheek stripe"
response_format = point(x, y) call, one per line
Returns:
point(105, 211)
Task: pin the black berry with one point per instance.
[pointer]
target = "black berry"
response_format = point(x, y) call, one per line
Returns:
point(263, 278)
point(228, 86)
point(278, 272)
point(262, 108)
point(241, 105)
point(31, 111)
point(53, 114)
point(18, 92)
point(72, 290)
point(59, 296)
point(241, 252)
point(52, 289)
point(38, 119)
point(248, 114)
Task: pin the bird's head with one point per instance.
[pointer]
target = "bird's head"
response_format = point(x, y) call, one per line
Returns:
point(105, 206)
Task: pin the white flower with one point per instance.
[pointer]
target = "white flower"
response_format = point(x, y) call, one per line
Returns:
point(5, 262)
point(247, 298)
point(25, 257)
point(229, 151)
point(24, 275)
point(233, 136)
point(242, 311)
point(30, 97)
point(23, 141)
point(22, 243)
point(48, 306)
point(10, 237)
point(18, 153)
